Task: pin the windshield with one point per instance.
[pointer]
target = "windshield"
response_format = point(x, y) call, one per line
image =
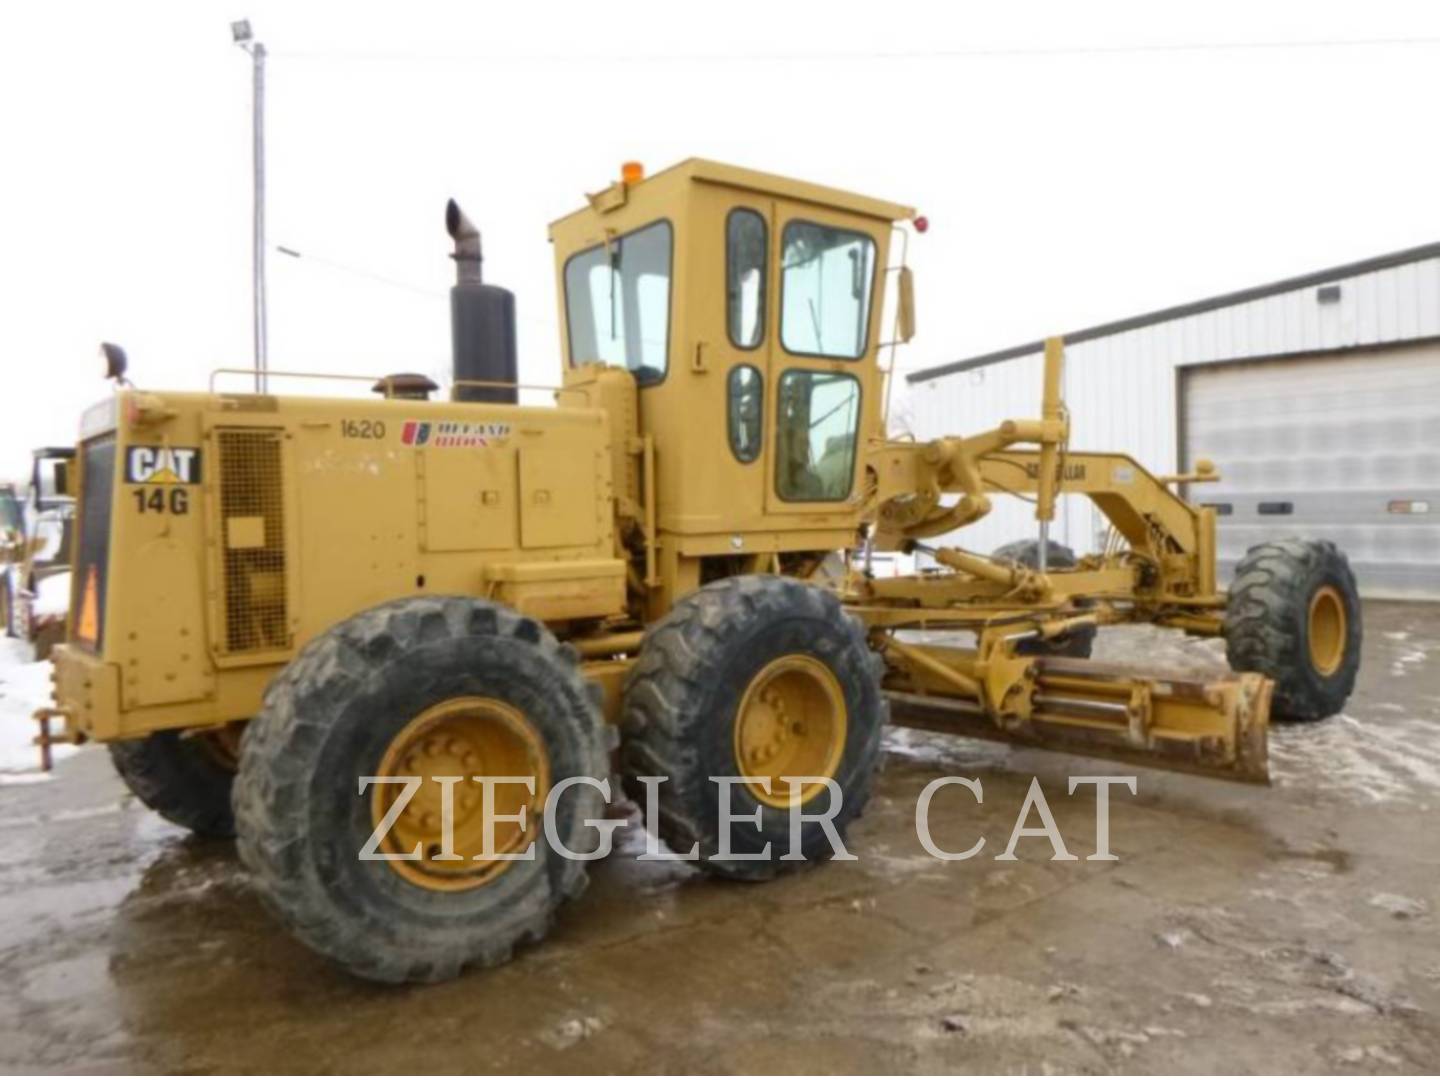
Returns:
point(617, 303)
point(825, 290)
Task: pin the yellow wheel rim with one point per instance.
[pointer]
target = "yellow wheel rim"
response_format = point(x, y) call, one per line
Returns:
point(791, 722)
point(464, 737)
point(1327, 630)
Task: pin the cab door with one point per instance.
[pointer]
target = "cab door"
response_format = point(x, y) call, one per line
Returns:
point(826, 281)
point(747, 343)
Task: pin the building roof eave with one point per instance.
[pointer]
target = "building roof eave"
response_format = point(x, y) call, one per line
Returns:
point(1180, 311)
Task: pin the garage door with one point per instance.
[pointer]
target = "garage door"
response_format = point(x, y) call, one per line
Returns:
point(1345, 448)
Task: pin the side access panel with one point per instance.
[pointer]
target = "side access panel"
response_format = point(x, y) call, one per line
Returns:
point(468, 499)
point(559, 499)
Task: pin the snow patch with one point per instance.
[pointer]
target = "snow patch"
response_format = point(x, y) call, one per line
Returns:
point(52, 596)
point(1366, 762)
point(569, 1032)
point(23, 777)
point(1402, 907)
point(24, 687)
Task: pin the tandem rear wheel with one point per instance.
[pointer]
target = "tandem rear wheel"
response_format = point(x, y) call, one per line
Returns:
point(376, 727)
point(184, 776)
point(756, 679)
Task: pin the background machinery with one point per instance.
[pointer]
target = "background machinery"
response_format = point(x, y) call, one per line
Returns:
point(35, 540)
point(277, 597)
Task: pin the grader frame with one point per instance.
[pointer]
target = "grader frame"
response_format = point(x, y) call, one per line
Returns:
point(1161, 570)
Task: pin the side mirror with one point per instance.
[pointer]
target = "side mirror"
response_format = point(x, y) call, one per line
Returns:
point(115, 362)
point(905, 294)
point(62, 478)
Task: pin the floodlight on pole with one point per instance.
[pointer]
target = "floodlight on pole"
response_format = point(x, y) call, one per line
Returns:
point(244, 38)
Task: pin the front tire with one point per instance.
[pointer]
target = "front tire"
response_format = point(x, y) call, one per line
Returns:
point(1078, 643)
point(186, 779)
point(427, 687)
point(755, 677)
point(1293, 613)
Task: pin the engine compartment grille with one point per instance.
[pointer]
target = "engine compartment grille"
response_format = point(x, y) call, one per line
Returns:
point(252, 522)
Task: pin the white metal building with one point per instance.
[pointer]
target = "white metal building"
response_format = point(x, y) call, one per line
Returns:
point(1318, 398)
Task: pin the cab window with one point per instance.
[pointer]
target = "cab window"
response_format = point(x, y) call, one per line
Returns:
point(617, 302)
point(825, 285)
point(817, 419)
point(745, 406)
point(745, 243)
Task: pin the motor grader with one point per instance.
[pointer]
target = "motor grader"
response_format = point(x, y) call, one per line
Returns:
point(286, 606)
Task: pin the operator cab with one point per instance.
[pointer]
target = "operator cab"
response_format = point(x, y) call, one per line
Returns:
point(747, 308)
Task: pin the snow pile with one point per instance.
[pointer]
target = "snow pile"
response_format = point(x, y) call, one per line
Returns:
point(24, 687)
point(53, 596)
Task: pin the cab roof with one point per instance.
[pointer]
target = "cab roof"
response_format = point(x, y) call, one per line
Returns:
point(715, 172)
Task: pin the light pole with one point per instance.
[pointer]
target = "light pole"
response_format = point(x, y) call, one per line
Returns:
point(241, 34)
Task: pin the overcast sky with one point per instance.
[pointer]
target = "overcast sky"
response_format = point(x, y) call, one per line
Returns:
point(1078, 162)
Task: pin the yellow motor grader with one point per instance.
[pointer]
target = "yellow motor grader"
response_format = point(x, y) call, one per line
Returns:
point(394, 627)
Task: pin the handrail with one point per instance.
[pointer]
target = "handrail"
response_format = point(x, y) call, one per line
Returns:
point(298, 375)
point(388, 380)
point(506, 383)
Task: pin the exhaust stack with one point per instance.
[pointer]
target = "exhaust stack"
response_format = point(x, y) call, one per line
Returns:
point(482, 321)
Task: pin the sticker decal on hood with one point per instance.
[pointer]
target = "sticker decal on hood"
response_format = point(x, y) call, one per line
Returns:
point(453, 433)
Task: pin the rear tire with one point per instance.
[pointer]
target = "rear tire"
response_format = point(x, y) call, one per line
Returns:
point(686, 696)
point(1293, 613)
point(343, 709)
point(1077, 643)
point(181, 778)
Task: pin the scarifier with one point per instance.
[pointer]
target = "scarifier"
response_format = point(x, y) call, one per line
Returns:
point(276, 596)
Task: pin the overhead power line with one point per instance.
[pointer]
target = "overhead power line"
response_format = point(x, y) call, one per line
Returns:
point(862, 55)
point(384, 279)
point(360, 271)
